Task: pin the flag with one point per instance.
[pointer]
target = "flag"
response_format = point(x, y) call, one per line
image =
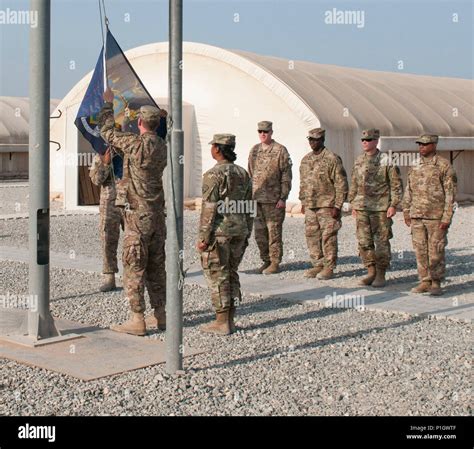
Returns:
point(129, 91)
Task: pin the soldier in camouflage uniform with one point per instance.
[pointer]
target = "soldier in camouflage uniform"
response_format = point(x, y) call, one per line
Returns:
point(224, 230)
point(323, 190)
point(110, 217)
point(141, 193)
point(375, 192)
point(428, 207)
point(270, 169)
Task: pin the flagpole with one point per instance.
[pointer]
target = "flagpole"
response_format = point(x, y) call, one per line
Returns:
point(174, 201)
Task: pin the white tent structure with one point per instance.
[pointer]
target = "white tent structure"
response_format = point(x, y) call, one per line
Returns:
point(230, 91)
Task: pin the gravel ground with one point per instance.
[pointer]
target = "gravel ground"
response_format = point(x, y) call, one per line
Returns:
point(14, 198)
point(287, 359)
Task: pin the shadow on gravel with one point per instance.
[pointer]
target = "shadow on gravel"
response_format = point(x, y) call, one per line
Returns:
point(311, 345)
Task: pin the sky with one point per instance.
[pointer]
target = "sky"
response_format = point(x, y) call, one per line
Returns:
point(431, 37)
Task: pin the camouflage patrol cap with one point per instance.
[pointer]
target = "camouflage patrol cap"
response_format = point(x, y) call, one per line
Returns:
point(150, 113)
point(427, 138)
point(223, 139)
point(265, 126)
point(317, 133)
point(371, 133)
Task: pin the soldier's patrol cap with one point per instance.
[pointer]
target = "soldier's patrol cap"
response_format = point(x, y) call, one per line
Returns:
point(223, 139)
point(316, 133)
point(150, 113)
point(427, 138)
point(371, 133)
point(265, 126)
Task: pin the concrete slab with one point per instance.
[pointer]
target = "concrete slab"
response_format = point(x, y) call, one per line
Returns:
point(100, 353)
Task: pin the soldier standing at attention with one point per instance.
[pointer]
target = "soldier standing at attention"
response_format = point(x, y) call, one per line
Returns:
point(141, 192)
point(110, 217)
point(428, 207)
point(224, 231)
point(323, 190)
point(270, 170)
point(375, 192)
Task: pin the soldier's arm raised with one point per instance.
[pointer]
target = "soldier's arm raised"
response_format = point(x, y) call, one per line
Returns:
point(450, 191)
point(123, 142)
point(286, 175)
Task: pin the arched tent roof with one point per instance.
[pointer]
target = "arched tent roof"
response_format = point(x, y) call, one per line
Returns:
point(230, 91)
point(398, 104)
point(14, 119)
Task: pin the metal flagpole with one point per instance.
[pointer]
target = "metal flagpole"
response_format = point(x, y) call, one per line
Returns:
point(40, 322)
point(174, 222)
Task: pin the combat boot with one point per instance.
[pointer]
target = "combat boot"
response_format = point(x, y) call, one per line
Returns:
point(422, 287)
point(231, 320)
point(273, 268)
point(379, 280)
point(108, 283)
point(370, 276)
point(265, 264)
point(325, 274)
point(157, 320)
point(435, 289)
point(313, 272)
point(220, 326)
point(134, 326)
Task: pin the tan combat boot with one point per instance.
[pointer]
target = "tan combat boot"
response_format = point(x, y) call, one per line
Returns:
point(435, 289)
point(220, 326)
point(263, 266)
point(231, 320)
point(109, 282)
point(370, 276)
point(313, 272)
point(379, 280)
point(134, 326)
point(157, 320)
point(272, 269)
point(325, 274)
point(422, 287)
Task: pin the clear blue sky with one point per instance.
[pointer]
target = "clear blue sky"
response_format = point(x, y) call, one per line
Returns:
point(420, 32)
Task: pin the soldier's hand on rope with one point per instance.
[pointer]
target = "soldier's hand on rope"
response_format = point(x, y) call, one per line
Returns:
point(201, 246)
point(106, 157)
point(335, 213)
point(108, 95)
point(391, 211)
point(163, 113)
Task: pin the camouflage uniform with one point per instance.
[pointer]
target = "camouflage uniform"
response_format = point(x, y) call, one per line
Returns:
point(110, 215)
point(375, 186)
point(429, 201)
point(323, 186)
point(226, 233)
point(270, 171)
point(141, 193)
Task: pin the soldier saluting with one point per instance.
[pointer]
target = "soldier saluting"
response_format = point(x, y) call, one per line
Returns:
point(323, 190)
point(428, 207)
point(375, 192)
